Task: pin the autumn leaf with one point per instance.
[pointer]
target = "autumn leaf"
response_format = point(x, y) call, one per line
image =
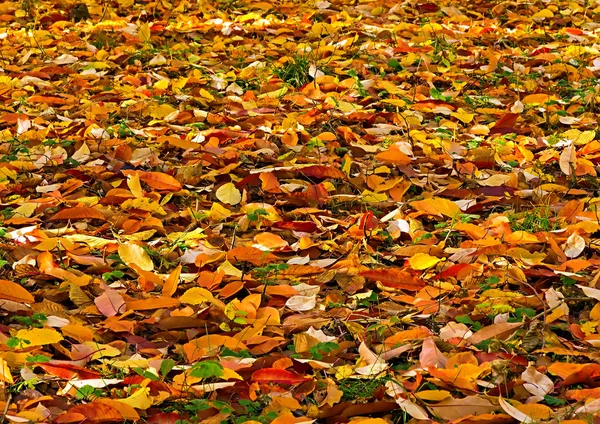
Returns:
point(266, 220)
point(422, 261)
point(228, 193)
point(132, 253)
point(13, 291)
point(39, 336)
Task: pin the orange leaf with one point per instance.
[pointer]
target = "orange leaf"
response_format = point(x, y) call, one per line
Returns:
point(322, 171)
point(538, 99)
point(277, 375)
point(521, 237)
point(394, 156)
point(250, 254)
point(196, 349)
point(395, 278)
point(157, 180)
point(298, 270)
point(77, 213)
point(152, 303)
point(97, 412)
point(418, 333)
point(583, 394)
point(172, 282)
point(13, 291)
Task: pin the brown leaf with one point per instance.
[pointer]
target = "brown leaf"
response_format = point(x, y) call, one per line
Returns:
point(494, 330)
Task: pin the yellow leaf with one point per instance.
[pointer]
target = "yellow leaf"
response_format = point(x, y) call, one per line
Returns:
point(5, 375)
point(39, 336)
point(228, 193)
point(422, 261)
point(206, 95)
point(218, 212)
point(162, 111)
point(228, 269)
point(102, 350)
point(196, 296)
point(368, 196)
point(133, 182)
point(344, 372)
point(162, 84)
point(131, 253)
point(437, 206)
point(144, 32)
point(544, 13)
point(463, 116)
point(140, 399)
point(589, 327)
point(228, 374)
point(433, 395)
point(584, 138)
point(145, 204)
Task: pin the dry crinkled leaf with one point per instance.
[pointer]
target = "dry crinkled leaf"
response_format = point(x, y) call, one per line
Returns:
point(568, 159)
point(396, 392)
point(574, 246)
point(301, 303)
point(537, 384)
point(454, 409)
point(494, 330)
point(514, 412)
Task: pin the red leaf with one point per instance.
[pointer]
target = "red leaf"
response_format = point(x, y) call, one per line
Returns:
point(302, 226)
point(322, 171)
point(277, 375)
point(163, 418)
point(77, 213)
point(452, 271)
point(505, 124)
point(68, 371)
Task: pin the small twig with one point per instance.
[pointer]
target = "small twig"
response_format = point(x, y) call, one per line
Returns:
point(8, 399)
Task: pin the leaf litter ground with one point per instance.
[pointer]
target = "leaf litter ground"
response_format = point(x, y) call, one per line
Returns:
point(294, 212)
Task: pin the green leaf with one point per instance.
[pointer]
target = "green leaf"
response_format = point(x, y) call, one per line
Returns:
point(207, 369)
point(166, 366)
point(554, 401)
point(38, 358)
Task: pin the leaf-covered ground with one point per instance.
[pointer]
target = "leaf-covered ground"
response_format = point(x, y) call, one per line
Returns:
point(331, 211)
